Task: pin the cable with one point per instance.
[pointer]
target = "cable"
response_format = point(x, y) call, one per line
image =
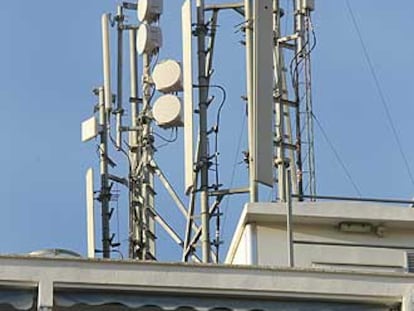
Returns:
point(118, 252)
point(311, 28)
point(170, 140)
point(216, 130)
point(233, 173)
point(223, 90)
point(154, 61)
point(294, 72)
point(216, 154)
point(380, 91)
point(152, 95)
point(223, 100)
point(117, 213)
point(338, 158)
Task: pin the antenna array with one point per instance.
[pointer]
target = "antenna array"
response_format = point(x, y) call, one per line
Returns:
point(276, 125)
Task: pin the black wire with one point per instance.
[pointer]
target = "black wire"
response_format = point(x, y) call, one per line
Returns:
point(171, 140)
point(294, 71)
point(337, 156)
point(233, 173)
point(154, 61)
point(217, 127)
point(223, 90)
point(117, 213)
point(118, 252)
point(216, 138)
point(314, 43)
point(216, 143)
point(380, 92)
point(223, 100)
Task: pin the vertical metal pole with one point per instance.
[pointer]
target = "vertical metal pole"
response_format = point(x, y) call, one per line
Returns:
point(289, 223)
point(283, 120)
point(133, 60)
point(251, 243)
point(280, 110)
point(148, 251)
point(309, 109)
point(203, 94)
point(105, 194)
point(134, 154)
point(119, 108)
point(250, 98)
point(299, 51)
point(106, 53)
point(299, 25)
point(90, 213)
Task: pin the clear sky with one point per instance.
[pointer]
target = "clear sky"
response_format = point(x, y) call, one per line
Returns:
point(50, 61)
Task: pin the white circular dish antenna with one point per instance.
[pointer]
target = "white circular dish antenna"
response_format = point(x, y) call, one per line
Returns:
point(167, 111)
point(149, 10)
point(149, 38)
point(167, 76)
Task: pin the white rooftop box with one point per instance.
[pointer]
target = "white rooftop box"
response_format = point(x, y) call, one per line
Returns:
point(337, 235)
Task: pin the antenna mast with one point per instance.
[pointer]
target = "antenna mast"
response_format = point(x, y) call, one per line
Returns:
point(203, 82)
point(290, 153)
point(276, 125)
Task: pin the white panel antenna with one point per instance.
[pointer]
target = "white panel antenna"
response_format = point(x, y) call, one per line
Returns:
point(90, 216)
point(106, 54)
point(263, 91)
point(188, 93)
point(89, 129)
point(149, 38)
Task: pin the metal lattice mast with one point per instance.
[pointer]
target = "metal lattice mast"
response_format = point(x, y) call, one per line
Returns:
point(105, 194)
point(279, 135)
point(140, 146)
point(298, 28)
point(281, 112)
point(105, 103)
point(145, 211)
point(293, 114)
point(303, 92)
point(135, 232)
point(309, 112)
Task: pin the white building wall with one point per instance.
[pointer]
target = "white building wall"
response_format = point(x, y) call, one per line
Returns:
point(321, 240)
point(272, 249)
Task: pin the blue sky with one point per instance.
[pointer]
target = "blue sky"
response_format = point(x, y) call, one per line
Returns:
point(50, 61)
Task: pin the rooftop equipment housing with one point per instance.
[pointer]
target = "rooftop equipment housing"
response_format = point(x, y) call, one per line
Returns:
point(328, 235)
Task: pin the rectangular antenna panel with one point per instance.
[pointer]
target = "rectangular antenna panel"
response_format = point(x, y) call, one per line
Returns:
point(188, 93)
point(90, 216)
point(89, 129)
point(263, 46)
